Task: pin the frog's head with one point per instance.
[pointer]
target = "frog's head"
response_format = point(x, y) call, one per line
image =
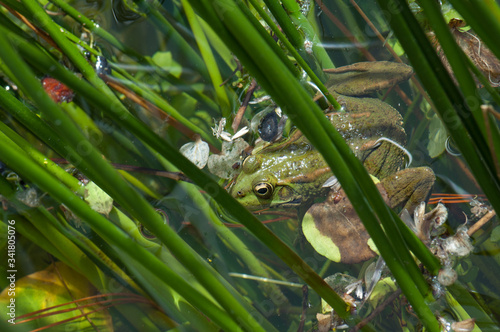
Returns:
point(257, 187)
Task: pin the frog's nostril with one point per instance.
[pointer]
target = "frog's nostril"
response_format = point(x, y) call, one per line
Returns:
point(240, 194)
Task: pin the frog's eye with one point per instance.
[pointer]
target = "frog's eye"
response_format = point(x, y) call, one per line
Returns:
point(263, 190)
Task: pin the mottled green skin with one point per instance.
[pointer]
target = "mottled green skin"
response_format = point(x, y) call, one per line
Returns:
point(291, 172)
point(297, 171)
point(283, 165)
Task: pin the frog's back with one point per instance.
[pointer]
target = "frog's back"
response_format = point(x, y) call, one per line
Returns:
point(369, 126)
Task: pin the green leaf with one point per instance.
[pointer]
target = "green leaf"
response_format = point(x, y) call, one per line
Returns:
point(98, 199)
point(495, 234)
point(437, 137)
point(381, 290)
point(165, 61)
point(57, 284)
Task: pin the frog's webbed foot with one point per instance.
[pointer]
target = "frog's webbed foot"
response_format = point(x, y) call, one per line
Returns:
point(409, 187)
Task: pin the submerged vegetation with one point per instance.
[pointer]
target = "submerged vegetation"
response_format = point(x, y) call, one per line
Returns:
point(128, 127)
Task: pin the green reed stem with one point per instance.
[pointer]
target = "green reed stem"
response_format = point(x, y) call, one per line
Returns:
point(460, 69)
point(83, 155)
point(95, 28)
point(208, 58)
point(43, 62)
point(295, 102)
point(484, 18)
point(8, 134)
point(448, 100)
point(419, 249)
point(299, 20)
point(69, 49)
point(27, 169)
point(314, 78)
point(45, 232)
point(193, 59)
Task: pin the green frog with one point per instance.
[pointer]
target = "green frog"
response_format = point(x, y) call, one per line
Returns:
point(291, 173)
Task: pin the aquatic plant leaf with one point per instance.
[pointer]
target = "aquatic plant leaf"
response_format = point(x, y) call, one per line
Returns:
point(165, 61)
point(495, 234)
point(396, 46)
point(383, 288)
point(98, 199)
point(335, 231)
point(437, 137)
point(45, 289)
point(196, 152)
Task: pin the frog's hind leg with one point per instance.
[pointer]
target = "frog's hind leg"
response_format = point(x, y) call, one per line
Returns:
point(409, 187)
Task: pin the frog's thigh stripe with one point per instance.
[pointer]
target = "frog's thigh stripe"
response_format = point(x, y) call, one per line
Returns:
point(322, 244)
